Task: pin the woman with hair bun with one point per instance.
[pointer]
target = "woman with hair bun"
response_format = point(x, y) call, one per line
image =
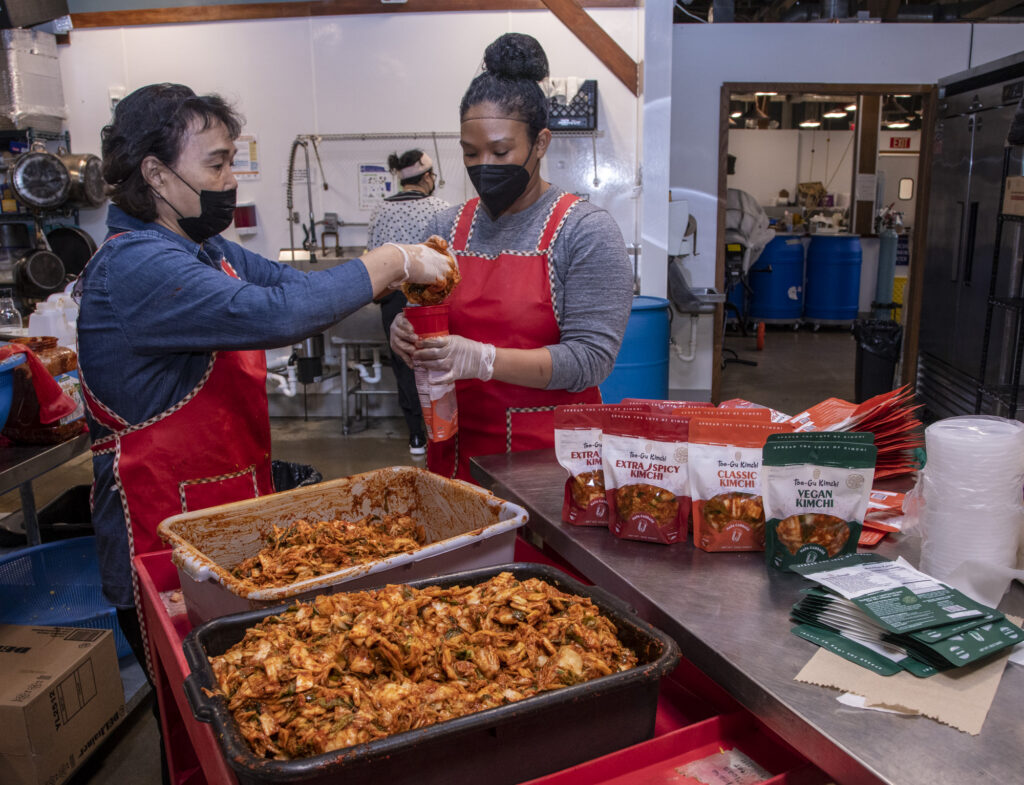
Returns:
point(404, 218)
point(546, 287)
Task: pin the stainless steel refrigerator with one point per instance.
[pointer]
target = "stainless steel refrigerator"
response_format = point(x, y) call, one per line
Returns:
point(975, 110)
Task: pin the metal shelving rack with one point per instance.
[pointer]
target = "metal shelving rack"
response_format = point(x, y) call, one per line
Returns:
point(1006, 394)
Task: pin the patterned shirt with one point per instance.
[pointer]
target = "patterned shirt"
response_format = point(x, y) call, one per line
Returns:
point(403, 218)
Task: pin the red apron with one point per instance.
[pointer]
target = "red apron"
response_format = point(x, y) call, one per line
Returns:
point(506, 300)
point(212, 447)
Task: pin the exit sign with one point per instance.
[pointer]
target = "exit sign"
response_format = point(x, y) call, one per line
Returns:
point(899, 142)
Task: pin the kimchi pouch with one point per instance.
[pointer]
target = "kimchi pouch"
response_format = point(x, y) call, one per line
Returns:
point(578, 450)
point(725, 482)
point(645, 475)
point(816, 491)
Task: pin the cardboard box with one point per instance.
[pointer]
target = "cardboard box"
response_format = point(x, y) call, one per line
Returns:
point(1013, 198)
point(60, 696)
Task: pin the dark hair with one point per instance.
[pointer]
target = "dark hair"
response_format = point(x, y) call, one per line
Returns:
point(153, 121)
point(514, 64)
point(408, 158)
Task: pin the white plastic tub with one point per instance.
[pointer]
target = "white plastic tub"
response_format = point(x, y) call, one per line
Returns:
point(466, 528)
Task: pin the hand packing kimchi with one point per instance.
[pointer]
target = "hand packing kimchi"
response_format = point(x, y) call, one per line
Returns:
point(437, 292)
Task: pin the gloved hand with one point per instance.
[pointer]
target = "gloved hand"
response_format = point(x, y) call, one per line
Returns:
point(403, 338)
point(422, 264)
point(449, 358)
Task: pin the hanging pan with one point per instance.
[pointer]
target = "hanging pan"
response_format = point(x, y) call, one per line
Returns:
point(73, 245)
point(40, 180)
point(85, 171)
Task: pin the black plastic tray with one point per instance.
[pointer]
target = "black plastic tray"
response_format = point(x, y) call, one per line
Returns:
point(508, 744)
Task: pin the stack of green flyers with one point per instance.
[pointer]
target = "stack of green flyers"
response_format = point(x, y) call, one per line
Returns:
point(887, 616)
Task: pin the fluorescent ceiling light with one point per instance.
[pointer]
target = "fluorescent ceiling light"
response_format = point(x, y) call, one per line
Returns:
point(902, 124)
point(736, 114)
point(851, 107)
point(810, 124)
point(765, 93)
point(835, 113)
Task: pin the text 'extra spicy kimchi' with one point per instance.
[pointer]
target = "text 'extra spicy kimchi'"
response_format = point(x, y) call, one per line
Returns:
point(645, 476)
point(725, 481)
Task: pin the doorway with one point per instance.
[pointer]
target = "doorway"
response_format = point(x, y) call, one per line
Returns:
point(829, 156)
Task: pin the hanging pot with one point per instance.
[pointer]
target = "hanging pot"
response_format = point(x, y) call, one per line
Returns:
point(39, 274)
point(73, 245)
point(39, 180)
point(86, 173)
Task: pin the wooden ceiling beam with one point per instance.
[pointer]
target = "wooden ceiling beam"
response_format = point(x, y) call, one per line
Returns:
point(224, 13)
point(993, 8)
point(594, 37)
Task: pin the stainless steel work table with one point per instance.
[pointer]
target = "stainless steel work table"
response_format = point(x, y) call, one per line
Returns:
point(729, 614)
point(20, 464)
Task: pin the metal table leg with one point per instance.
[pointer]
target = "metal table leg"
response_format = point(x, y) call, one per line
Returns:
point(28, 512)
point(344, 389)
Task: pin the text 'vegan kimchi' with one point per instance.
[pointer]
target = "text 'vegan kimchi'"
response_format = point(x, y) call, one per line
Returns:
point(346, 669)
point(304, 550)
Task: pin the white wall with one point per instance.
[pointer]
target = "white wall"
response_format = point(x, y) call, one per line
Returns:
point(768, 161)
point(706, 56)
point(352, 74)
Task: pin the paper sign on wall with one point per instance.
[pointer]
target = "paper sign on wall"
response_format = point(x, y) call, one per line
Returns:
point(374, 185)
point(246, 165)
point(866, 187)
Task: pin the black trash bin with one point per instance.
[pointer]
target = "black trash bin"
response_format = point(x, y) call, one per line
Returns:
point(878, 351)
point(289, 475)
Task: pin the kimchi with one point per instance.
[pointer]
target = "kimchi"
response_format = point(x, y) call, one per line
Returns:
point(346, 669)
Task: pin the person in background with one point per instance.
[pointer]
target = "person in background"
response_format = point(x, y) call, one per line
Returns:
point(546, 287)
point(173, 326)
point(405, 218)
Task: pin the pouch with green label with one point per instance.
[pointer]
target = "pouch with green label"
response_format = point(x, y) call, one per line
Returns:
point(816, 488)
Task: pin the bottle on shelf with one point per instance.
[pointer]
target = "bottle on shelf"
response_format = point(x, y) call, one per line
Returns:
point(10, 316)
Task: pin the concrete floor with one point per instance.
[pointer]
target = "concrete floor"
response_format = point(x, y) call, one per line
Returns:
point(795, 370)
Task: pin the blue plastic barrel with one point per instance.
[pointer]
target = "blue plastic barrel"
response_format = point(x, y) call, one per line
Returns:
point(641, 369)
point(777, 282)
point(833, 278)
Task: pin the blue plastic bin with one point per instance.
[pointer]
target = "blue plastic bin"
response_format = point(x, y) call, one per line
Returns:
point(57, 585)
point(7, 385)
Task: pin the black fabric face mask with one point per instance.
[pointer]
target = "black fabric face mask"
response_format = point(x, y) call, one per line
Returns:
point(499, 185)
point(216, 212)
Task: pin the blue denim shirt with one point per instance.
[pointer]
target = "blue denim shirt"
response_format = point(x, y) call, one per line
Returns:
point(154, 306)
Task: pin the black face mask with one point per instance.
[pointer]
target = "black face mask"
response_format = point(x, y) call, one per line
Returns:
point(216, 212)
point(499, 185)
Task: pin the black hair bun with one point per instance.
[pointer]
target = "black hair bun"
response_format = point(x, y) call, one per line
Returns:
point(517, 56)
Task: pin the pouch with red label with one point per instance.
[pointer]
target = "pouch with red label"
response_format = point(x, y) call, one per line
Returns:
point(725, 482)
point(645, 475)
point(578, 450)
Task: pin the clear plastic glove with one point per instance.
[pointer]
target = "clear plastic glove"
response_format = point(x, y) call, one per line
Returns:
point(403, 338)
point(449, 358)
point(422, 264)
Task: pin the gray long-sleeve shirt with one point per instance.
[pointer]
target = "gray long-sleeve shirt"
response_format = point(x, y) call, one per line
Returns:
point(593, 281)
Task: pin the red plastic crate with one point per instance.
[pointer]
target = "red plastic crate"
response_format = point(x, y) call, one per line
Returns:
point(657, 761)
point(695, 716)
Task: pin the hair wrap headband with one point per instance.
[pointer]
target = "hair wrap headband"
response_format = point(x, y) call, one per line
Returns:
point(421, 166)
